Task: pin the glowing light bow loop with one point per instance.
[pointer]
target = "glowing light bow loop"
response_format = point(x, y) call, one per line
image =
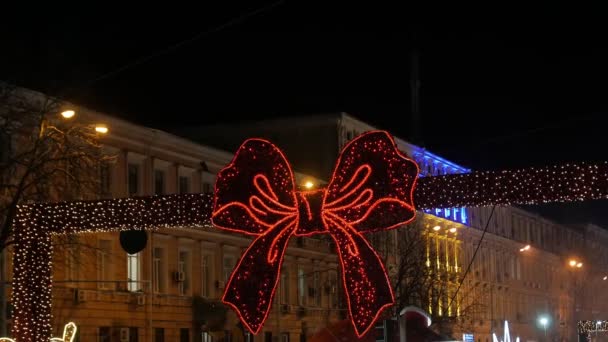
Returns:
point(371, 189)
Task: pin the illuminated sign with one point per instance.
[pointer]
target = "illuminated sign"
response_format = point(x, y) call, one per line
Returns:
point(453, 214)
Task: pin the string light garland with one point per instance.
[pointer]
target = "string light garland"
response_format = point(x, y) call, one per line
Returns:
point(374, 187)
point(370, 190)
point(558, 183)
point(588, 327)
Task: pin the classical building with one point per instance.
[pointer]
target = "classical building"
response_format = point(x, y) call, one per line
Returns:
point(525, 268)
point(170, 291)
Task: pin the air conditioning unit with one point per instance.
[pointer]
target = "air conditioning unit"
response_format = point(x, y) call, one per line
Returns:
point(285, 308)
point(141, 300)
point(124, 334)
point(179, 276)
point(79, 296)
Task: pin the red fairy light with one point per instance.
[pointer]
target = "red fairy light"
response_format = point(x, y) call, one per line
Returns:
point(371, 189)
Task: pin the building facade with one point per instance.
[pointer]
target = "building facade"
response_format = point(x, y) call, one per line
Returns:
point(170, 291)
point(522, 269)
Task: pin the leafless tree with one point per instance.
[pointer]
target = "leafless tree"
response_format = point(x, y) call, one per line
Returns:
point(43, 157)
point(422, 276)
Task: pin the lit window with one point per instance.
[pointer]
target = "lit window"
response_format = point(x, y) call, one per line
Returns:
point(301, 286)
point(133, 270)
point(183, 266)
point(158, 270)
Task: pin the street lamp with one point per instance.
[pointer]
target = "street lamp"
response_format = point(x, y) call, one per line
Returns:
point(605, 278)
point(100, 128)
point(523, 249)
point(309, 185)
point(544, 320)
point(68, 114)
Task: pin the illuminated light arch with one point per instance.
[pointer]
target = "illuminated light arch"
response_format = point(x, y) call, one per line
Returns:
point(355, 211)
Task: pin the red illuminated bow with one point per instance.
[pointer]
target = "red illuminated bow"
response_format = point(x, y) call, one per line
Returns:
point(371, 189)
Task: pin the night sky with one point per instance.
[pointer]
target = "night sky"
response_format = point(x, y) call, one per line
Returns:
point(500, 87)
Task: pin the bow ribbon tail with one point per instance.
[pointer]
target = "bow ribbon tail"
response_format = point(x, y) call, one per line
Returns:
point(251, 287)
point(367, 286)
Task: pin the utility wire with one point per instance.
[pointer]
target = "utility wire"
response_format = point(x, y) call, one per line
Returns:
point(182, 43)
point(474, 255)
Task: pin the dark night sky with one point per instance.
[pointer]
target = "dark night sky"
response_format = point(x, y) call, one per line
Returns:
point(501, 87)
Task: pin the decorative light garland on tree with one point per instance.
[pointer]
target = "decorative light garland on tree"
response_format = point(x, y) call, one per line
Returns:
point(371, 189)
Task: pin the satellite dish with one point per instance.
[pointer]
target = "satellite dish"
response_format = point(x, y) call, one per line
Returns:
point(133, 241)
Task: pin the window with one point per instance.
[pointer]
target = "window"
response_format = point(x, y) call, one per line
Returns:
point(267, 336)
point(104, 272)
point(183, 266)
point(159, 182)
point(133, 270)
point(158, 270)
point(284, 337)
point(206, 275)
point(104, 334)
point(317, 288)
point(159, 334)
point(133, 179)
point(72, 256)
point(184, 335)
point(206, 337)
point(105, 180)
point(301, 286)
point(333, 289)
point(184, 184)
point(133, 334)
point(284, 287)
point(228, 266)
point(206, 188)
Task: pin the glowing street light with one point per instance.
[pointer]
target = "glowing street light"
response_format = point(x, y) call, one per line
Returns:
point(605, 278)
point(309, 185)
point(579, 265)
point(523, 249)
point(100, 128)
point(68, 114)
point(544, 321)
point(572, 263)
